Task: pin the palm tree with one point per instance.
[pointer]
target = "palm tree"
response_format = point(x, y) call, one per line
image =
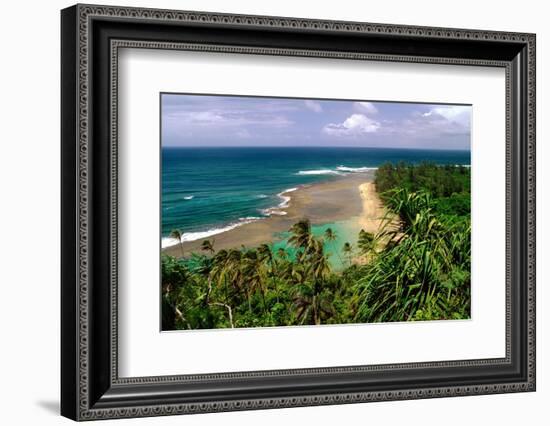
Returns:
point(347, 249)
point(265, 254)
point(301, 234)
point(234, 270)
point(178, 235)
point(311, 299)
point(252, 276)
point(219, 270)
point(207, 246)
point(224, 270)
point(331, 236)
point(284, 265)
point(298, 273)
point(227, 267)
point(320, 266)
point(281, 252)
point(311, 303)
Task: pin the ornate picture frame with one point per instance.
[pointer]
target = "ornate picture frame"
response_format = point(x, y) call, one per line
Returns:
point(91, 37)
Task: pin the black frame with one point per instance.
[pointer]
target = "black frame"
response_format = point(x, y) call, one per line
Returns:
point(91, 37)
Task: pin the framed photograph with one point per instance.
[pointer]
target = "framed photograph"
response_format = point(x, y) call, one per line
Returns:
point(263, 212)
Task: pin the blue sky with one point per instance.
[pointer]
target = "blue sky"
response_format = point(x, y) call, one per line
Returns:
point(199, 120)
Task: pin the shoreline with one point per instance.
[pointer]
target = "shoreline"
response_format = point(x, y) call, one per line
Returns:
point(350, 198)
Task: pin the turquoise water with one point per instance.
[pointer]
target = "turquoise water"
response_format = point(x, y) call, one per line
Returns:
point(344, 232)
point(208, 190)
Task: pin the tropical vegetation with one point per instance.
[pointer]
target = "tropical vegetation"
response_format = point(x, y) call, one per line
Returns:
point(416, 267)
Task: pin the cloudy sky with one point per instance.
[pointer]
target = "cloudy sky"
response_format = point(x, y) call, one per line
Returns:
point(196, 120)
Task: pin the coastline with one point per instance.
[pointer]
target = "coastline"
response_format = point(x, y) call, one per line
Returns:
point(351, 199)
point(375, 214)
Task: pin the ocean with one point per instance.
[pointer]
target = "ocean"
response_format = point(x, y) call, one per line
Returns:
point(206, 191)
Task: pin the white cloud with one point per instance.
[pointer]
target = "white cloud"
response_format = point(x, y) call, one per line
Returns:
point(228, 118)
point(201, 117)
point(354, 125)
point(367, 107)
point(314, 106)
point(443, 120)
point(457, 114)
point(439, 121)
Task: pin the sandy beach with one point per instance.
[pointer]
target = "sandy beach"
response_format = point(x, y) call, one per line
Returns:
point(374, 215)
point(351, 198)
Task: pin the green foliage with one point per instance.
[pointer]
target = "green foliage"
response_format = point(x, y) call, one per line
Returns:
point(439, 181)
point(458, 204)
point(425, 274)
point(420, 272)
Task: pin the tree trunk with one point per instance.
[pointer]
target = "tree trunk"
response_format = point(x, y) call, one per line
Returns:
point(209, 288)
point(229, 312)
point(180, 315)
